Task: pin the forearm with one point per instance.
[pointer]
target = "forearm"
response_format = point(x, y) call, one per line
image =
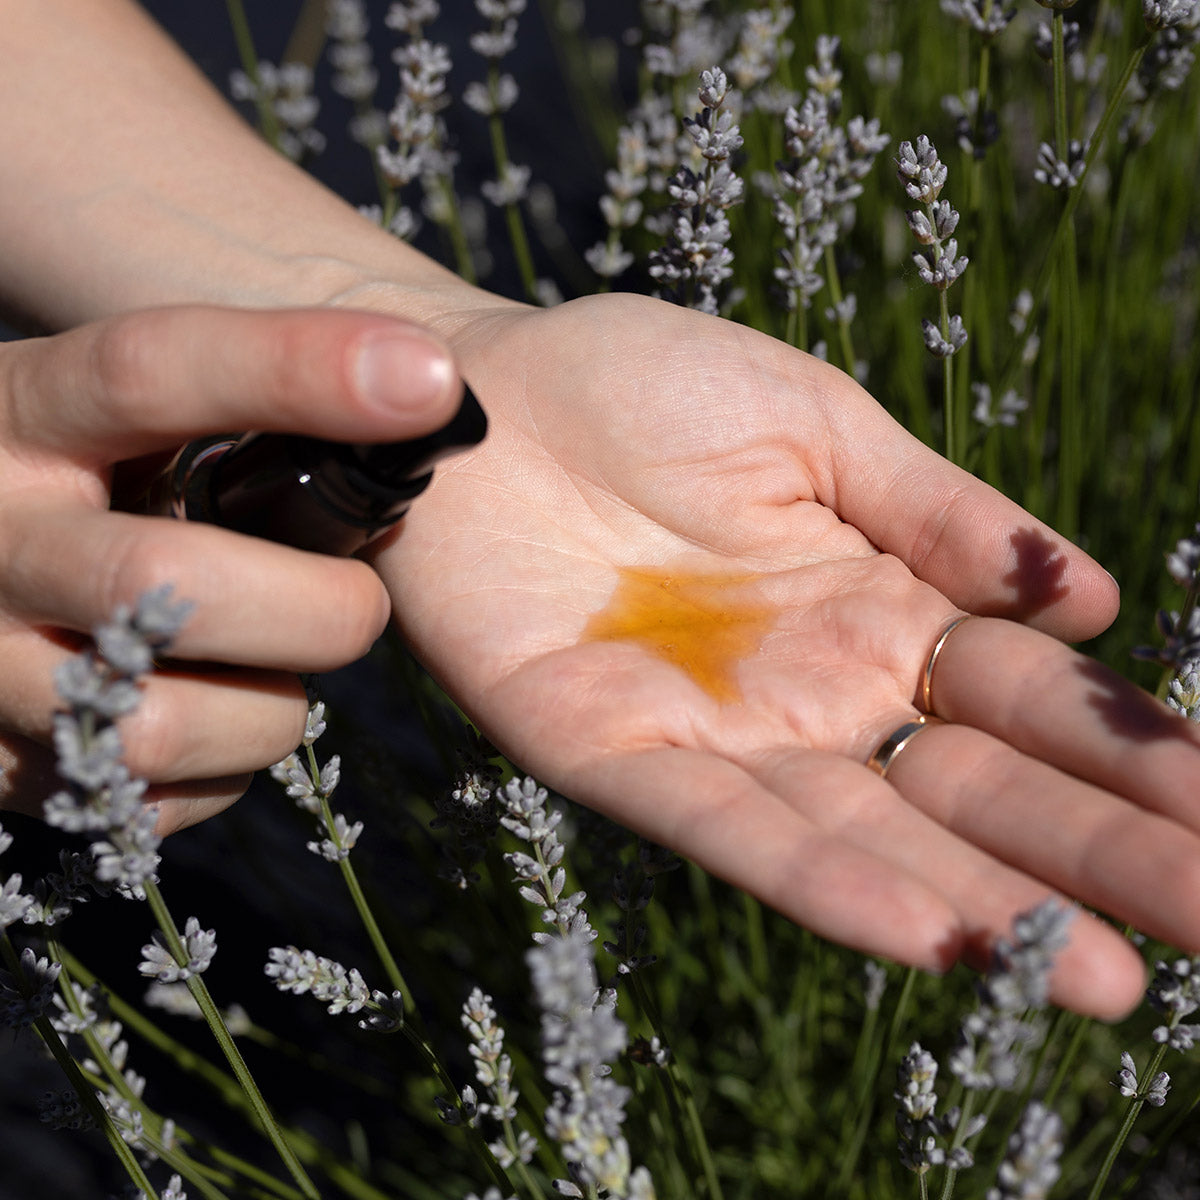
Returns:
point(126, 181)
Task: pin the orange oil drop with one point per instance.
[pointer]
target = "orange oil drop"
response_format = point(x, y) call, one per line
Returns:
point(698, 623)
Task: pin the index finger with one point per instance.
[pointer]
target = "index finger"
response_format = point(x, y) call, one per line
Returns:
point(978, 548)
point(146, 381)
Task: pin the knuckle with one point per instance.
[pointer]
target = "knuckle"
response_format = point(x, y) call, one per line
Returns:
point(356, 617)
point(300, 362)
point(153, 741)
point(930, 538)
point(136, 562)
point(890, 575)
point(123, 358)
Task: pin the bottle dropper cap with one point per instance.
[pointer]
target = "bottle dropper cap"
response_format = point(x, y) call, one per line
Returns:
point(330, 496)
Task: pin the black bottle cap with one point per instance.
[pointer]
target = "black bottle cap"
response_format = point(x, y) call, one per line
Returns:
point(330, 496)
point(370, 484)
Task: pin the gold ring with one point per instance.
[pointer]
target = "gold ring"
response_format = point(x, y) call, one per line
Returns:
point(881, 761)
point(931, 661)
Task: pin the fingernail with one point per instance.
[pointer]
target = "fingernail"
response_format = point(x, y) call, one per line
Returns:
point(403, 371)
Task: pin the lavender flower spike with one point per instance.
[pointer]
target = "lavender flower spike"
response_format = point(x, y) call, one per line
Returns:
point(1030, 1167)
point(1175, 992)
point(14, 904)
point(1169, 14)
point(541, 875)
point(994, 1037)
point(695, 262)
point(938, 263)
point(300, 971)
point(1127, 1083)
point(101, 799)
point(581, 1035)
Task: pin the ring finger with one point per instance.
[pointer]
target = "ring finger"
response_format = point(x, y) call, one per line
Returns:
point(187, 725)
point(1138, 866)
point(1055, 705)
point(27, 777)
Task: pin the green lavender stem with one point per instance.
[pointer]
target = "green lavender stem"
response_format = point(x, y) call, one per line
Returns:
point(227, 1088)
point(1131, 1113)
point(115, 1079)
point(1070, 444)
point(268, 124)
point(463, 263)
point(233, 1055)
point(845, 341)
point(948, 405)
point(1061, 140)
point(1165, 1138)
point(378, 942)
point(1065, 219)
point(682, 1096)
point(412, 1027)
point(70, 1068)
point(96, 1110)
point(1071, 415)
point(983, 88)
point(891, 1043)
point(864, 1071)
point(512, 212)
point(966, 1111)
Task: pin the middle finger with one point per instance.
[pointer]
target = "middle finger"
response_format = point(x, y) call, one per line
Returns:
point(1081, 839)
point(255, 603)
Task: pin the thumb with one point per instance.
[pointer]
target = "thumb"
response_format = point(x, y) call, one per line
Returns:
point(145, 381)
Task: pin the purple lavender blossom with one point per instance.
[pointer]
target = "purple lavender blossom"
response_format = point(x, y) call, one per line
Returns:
point(696, 260)
point(100, 798)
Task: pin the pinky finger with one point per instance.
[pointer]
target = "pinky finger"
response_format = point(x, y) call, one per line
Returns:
point(28, 778)
point(181, 805)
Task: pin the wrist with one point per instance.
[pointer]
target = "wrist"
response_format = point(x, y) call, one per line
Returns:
point(422, 292)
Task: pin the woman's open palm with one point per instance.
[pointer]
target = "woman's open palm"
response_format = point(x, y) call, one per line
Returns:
point(693, 577)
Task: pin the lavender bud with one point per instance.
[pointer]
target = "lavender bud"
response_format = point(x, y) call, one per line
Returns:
point(1168, 14)
point(921, 171)
point(1183, 561)
point(26, 995)
point(1127, 1081)
point(1031, 1166)
point(199, 945)
point(385, 1013)
point(1054, 172)
point(944, 347)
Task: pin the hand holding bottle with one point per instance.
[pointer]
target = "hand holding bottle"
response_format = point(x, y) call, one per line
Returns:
point(130, 390)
